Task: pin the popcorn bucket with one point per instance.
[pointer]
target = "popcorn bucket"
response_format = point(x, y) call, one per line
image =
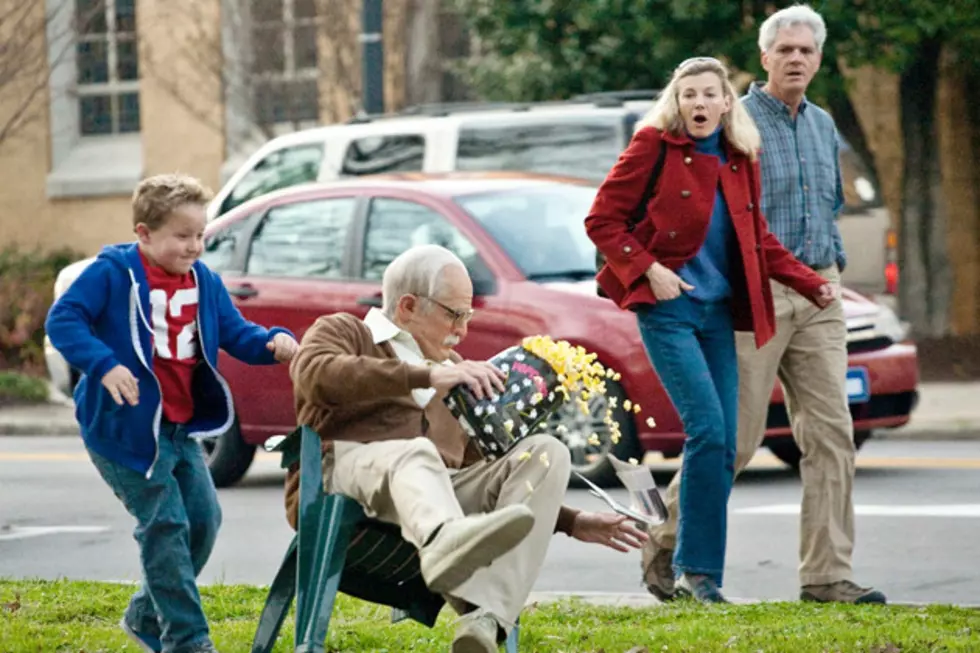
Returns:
point(531, 395)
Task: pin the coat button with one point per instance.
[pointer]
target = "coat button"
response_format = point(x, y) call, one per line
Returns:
point(627, 249)
point(685, 193)
point(687, 160)
point(750, 206)
point(734, 168)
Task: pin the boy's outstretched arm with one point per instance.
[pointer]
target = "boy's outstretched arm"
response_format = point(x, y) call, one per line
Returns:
point(70, 322)
point(247, 341)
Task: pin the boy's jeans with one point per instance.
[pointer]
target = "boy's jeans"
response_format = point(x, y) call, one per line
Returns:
point(177, 520)
point(692, 347)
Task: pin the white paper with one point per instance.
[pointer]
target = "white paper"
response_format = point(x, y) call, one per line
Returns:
point(647, 508)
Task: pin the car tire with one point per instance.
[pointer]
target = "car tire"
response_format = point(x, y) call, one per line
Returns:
point(589, 460)
point(228, 456)
point(786, 450)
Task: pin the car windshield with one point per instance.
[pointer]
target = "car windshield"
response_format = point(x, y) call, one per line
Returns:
point(572, 146)
point(542, 229)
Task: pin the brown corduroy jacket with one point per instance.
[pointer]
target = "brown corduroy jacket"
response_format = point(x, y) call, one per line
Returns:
point(347, 387)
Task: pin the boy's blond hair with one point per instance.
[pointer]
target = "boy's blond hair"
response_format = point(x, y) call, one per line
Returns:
point(156, 197)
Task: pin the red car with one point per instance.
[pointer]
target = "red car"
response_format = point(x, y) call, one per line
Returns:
point(291, 256)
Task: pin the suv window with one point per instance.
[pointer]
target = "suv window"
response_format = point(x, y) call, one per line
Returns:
point(378, 154)
point(221, 247)
point(395, 225)
point(304, 239)
point(579, 146)
point(286, 167)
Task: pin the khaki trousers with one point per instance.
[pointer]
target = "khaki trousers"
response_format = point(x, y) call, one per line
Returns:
point(809, 357)
point(404, 482)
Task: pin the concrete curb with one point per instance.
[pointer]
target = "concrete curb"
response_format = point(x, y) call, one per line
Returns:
point(625, 600)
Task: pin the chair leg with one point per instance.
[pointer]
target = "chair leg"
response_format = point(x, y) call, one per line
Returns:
point(277, 603)
point(322, 551)
point(510, 644)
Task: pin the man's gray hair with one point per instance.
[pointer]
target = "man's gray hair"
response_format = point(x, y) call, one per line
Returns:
point(416, 271)
point(788, 17)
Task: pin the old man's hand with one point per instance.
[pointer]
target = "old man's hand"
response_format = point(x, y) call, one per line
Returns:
point(482, 378)
point(609, 529)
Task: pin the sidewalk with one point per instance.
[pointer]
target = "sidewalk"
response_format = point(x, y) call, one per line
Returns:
point(945, 411)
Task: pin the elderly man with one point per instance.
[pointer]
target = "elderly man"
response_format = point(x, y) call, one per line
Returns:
point(373, 390)
point(801, 197)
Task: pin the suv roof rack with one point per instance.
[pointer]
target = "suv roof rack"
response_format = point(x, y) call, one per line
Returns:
point(440, 109)
point(621, 96)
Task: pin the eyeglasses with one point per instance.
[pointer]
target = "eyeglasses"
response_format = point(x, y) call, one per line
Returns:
point(458, 317)
point(693, 60)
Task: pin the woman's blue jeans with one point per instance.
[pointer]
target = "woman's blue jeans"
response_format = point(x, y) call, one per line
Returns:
point(691, 345)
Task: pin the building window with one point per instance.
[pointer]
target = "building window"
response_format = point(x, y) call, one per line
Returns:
point(107, 67)
point(284, 61)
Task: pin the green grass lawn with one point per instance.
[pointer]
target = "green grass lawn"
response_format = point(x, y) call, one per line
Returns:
point(76, 617)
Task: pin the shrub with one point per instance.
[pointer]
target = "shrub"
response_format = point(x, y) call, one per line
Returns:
point(26, 292)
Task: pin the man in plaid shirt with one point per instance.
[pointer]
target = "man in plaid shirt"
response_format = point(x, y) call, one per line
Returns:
point(801, 197)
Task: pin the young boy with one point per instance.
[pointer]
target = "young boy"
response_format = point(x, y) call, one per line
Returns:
point(144, 323)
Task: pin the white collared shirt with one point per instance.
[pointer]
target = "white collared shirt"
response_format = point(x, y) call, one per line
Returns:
point(404, 345)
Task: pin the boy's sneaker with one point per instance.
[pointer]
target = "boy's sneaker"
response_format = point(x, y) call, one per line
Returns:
point(146, 643)
point(843, 591)
point(700, 588)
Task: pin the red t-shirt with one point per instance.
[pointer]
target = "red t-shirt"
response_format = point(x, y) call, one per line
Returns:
point(173, 319)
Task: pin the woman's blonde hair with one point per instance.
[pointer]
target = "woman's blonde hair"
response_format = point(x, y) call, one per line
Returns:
point(738, 126)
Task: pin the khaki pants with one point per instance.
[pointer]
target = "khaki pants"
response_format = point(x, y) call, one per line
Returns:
point(404, 482)
point(809, 357)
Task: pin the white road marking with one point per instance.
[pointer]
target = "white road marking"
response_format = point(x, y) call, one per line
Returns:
point(24, 532)
point(968, 510)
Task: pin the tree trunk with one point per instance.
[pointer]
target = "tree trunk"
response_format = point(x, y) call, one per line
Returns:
point(971, 87)
point(926, 278)
point(423, 71)
point(849, 125)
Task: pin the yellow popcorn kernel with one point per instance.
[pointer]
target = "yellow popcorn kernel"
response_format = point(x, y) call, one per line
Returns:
point(627, 405)
point(636, 408)
point(525, 455)
point(544, 459)
point(614, 437)
point(650, 422)
point(594, 440)
point(617, 376)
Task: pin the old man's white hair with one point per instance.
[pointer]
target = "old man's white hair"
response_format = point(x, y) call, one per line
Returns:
point(416, 271)
point(788, 17)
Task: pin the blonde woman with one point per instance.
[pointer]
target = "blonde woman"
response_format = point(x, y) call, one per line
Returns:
point(694, 264)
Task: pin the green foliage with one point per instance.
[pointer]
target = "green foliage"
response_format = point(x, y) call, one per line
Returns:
point(549, 49)
point(26, 292)
point(17, 388)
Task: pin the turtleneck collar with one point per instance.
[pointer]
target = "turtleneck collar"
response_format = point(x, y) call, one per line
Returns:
point(710, 144)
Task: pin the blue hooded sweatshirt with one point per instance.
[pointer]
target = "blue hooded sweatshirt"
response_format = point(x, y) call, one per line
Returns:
point(101, 322)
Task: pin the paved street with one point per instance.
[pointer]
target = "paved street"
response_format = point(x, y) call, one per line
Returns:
point(918, 522)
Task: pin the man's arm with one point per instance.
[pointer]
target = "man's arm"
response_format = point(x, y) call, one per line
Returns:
point(330, 367)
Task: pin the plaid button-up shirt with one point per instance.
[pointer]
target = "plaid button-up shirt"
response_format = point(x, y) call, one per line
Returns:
point(802, 192)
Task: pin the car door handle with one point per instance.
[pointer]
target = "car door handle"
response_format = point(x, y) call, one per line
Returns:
point(243, 292)
point(371, 300)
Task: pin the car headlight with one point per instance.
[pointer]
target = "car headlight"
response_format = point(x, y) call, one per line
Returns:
point(886, 323)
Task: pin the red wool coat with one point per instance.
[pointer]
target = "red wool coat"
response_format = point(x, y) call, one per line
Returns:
point(676, 223)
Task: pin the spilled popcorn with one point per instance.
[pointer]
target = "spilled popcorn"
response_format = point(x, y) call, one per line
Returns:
point(544, 459)
point(525, 455)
